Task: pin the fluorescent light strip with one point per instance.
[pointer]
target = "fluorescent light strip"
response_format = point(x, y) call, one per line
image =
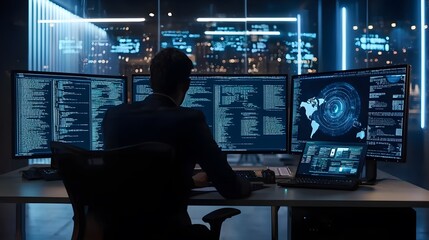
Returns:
point(343, 38)
point(92, 20)
point(299, 57)
point(422, 64)
point(276, 33)
point(251, 19)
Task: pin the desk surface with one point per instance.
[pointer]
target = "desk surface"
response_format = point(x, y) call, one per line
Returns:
point(390, 192)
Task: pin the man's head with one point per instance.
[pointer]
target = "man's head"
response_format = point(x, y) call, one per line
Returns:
point(169, 72)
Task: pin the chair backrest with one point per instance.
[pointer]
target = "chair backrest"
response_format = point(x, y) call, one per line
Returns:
point(119, 191)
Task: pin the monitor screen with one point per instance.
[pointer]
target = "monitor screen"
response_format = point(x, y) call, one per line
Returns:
point(362, 105)
point(63, 107)
point(246, 113)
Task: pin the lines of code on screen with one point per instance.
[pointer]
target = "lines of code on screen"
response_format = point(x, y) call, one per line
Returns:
point(246, 113)
point(61, 107)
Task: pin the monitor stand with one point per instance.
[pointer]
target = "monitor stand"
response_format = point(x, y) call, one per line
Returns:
point(249, 159)
point(370, 176)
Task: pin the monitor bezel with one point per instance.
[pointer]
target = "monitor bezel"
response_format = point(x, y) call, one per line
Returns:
point(13, 79)
point(407, 67)
point(229, 151)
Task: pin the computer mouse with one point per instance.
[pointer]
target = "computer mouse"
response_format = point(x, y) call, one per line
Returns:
point(268, 176)
point(32, 174)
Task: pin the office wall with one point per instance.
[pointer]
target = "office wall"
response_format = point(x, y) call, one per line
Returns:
point(14, 47)
point(13, 55)
point(318, 17)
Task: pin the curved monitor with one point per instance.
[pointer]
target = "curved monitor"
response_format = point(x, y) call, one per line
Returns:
point(361, 105)
point(64, 107)
point(246, 113)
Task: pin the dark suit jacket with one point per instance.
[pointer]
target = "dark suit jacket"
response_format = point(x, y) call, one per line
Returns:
point(157, 118)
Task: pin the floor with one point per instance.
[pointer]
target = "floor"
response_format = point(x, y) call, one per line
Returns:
point(54, 222)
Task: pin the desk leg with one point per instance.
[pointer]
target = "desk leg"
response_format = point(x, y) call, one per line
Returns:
point(289, 223)
point(20, 221)
point(275, 222)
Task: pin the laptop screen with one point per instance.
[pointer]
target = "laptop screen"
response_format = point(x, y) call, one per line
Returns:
point(332, 160)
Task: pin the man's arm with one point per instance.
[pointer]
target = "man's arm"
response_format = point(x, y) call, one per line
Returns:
point(214, 162)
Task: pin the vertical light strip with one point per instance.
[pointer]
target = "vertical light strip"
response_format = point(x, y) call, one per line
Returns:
point(44, 51)
point(299, 57)
point(44, 39)
point(246, 60)
point(30, 33)
point(422, 64)
point(343, 38)
point(38, 37)
point(159, 26)
point(54, 38)
point(59, 32)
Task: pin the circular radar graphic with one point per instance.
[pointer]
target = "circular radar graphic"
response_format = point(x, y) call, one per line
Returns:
point(339, 109)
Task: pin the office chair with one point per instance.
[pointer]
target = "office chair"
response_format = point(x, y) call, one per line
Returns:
point(105, 189)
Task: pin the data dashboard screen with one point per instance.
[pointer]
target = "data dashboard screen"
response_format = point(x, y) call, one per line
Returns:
point(246, 113)
point(62, 107)
point(332, 159)
point(363, 105)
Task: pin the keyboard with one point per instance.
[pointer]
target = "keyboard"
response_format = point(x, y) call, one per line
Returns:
point(283, 171)
point(45, 173)
point(249, 175)
point(337, 184)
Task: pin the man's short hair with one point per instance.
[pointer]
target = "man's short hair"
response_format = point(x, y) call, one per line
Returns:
point(168, 68)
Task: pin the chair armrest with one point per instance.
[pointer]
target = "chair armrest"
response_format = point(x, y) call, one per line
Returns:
point(216, 218)
point(220, 214)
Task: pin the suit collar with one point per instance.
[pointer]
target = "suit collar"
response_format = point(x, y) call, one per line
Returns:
point(160, 100)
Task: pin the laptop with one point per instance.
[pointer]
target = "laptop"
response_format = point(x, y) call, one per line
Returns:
point(330, 165)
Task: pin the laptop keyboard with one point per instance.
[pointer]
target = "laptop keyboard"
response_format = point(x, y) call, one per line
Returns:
point(338, 184)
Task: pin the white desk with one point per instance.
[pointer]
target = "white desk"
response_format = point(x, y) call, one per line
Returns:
point(391, 192)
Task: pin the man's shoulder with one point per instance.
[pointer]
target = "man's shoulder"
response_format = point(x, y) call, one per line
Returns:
point(189, 110)
point(146, 111)
point(117, 108)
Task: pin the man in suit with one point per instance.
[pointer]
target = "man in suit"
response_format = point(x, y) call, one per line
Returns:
point(159, 117)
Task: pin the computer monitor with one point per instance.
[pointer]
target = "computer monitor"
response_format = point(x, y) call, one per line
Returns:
point(64, 107)
point(246, 113)
point(362, 105)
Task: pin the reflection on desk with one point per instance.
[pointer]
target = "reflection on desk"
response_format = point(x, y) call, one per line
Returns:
point(255, 186)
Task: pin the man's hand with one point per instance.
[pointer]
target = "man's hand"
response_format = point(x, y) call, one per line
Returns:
point(201, 179)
